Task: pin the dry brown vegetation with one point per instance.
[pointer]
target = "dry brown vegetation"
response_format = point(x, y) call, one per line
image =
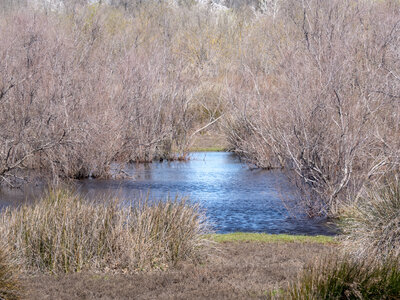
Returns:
point(65, 233)
point(309, 86)
point(322, 99)
point(232, 271)
point(345, 278)
point(10, 285)
point(371, 224)
point(79, 91)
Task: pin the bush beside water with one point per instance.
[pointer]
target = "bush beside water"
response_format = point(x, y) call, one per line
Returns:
point(308, 88)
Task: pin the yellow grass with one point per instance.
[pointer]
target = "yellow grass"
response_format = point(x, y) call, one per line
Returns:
point(65, 233)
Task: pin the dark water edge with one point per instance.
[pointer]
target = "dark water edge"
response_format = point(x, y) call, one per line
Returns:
point(234, 197)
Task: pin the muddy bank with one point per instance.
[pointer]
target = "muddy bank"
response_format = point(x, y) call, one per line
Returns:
point(232, 271)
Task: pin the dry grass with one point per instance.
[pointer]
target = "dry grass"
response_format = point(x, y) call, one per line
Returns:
point(344, 278)
point(65, 233)
point(233, 271)
point(10, 287)
point(371, 224)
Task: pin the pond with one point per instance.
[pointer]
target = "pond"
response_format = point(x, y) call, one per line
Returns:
point(234, 196)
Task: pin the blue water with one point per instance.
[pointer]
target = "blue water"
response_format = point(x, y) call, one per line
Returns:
point(235, 197)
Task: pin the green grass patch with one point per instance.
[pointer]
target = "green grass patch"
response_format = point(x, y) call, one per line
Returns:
point(269, 238)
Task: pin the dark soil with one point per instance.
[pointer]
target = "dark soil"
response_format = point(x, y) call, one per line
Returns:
point(233, 271)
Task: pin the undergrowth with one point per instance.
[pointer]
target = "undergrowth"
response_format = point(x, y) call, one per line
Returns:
point(371, 225)
point(10, 287)
point(64, 232)
point(345, 278)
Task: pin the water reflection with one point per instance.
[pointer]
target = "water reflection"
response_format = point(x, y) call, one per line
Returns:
point(235, 197)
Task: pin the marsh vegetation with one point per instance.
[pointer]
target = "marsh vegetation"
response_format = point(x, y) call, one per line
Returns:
point(310, 87)
point(10, 284)
point(65, 233)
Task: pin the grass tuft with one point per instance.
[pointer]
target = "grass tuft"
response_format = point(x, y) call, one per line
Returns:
point(10, 287)
point(346, 278)
point(371, 225)
point(65, 233)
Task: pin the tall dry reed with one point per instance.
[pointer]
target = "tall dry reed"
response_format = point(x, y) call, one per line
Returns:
point(344, 278)
point(65, 233)
point(10, 286)
point(371, 224)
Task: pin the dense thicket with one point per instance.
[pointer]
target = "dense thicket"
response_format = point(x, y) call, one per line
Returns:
point(81, 90)
point(308, 86)
point(322, 100)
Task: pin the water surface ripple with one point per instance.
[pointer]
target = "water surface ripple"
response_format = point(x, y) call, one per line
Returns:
point(235, 197)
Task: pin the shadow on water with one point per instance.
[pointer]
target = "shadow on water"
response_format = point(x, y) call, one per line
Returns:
point(235, 197)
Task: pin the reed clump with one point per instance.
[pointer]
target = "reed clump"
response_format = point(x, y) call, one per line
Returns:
point(345, 278)
point(10, 287)
point(63, 232)
point(371, 224)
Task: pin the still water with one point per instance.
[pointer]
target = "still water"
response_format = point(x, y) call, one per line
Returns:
point(235, 197)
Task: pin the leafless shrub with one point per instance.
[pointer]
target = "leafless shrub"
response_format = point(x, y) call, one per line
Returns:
point(311, 88)
point(79, 93)
point(9, 5)
point(326, 106)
